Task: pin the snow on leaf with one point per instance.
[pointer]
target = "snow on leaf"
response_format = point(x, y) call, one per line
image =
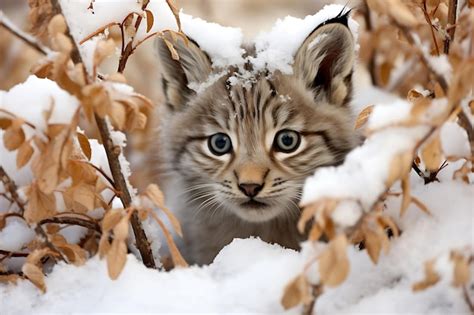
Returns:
point(364, 117)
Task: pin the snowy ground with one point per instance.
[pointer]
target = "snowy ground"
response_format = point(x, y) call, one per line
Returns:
point(249, 275)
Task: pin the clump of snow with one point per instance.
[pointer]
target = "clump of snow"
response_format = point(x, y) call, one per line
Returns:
point(276, 48)
point(248, 276)
point(31, 99)
point(454, 140)
point(223, 44)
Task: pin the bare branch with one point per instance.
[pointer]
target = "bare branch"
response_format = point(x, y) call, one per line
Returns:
point(27, 38)
point(113, 158)
point(91, 225)
point(452, 16)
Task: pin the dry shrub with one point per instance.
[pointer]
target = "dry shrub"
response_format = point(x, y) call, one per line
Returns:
point(61, 153)
point(405, 45)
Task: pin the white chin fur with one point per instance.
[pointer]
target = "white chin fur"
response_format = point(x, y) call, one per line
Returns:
point(257, 215)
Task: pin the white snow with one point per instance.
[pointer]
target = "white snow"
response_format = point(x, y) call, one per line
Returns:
point(31, 99)
point(276, 48)
point(248, 276)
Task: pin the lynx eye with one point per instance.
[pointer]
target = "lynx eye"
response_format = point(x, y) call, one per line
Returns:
point(220, 144)
point(287, 141)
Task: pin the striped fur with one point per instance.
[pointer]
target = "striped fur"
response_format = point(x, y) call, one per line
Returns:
point(203, 188)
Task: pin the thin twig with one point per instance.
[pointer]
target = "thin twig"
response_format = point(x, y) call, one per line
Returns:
point(91, 225)
point(467, 298)
point(113, 158)
point(452, 16)
point(12, 254)
point(27, 38)
point(11, 188)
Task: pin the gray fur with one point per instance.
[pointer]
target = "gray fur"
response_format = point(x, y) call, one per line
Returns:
point(203, 189)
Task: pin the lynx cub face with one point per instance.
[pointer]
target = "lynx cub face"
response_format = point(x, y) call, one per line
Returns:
point(243, 148)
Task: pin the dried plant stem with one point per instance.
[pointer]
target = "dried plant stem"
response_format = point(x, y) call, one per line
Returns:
point(91, 225)
point(12, 254)
point(468, 299)
point(316, 291)
point(11, 188)
point(113, 158)
point(129, 48)
point(113, 154)
point(373, 55)
point(27, 38)
point(452, 16)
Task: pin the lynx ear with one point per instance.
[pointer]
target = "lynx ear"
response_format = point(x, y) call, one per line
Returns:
point(193, 66)
point(325, 63)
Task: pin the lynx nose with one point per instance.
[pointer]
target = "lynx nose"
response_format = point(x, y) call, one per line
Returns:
point(250, 190)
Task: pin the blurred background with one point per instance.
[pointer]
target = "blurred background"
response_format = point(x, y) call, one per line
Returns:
point(253, 16)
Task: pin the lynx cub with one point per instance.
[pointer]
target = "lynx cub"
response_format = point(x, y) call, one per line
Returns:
point(236, 155)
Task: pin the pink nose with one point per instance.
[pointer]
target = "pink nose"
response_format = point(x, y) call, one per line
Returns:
point(250, 190)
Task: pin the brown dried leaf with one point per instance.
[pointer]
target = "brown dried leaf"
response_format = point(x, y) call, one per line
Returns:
point(85, 145)
point(150, 20)
point(111, 219)
point(402, 14)
point(333, 262)
point(116, 258)
point(406, 200)
point(364, 116)
point(35, 275)
point(315, 233)
point(431, 277)
point(104, 49)
point(175, 254)
point(40, 205)
point(57, 25)
point(156, 196)
point(14, 136)
point(462, 273)
point(104, 245)
point(432, 154)
point(13, 278)
point(5, 123)
point(121, 229)
point(399, 168)
point(296, 292)
point(25, 152)
point(174, 53)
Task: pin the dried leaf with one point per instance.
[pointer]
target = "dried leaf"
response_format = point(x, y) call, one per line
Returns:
point(35, 275)
point(13, 137)
point(431, 277)
point(432, 154)
point(156, 196)
point(111, 219)
point(116, 258)
point(462, 273)
point(406, 200)
point(150, 20)
point(104, 245)
point(364, 116)
point(333, 262)
point(175, 254)
point(40, 205)
point(85, 145)
point(296, 292)
point(103, 50)
point(121, 229)
point(399, 168)
point(25, 152)
point(13, 278)
point(174, 53)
